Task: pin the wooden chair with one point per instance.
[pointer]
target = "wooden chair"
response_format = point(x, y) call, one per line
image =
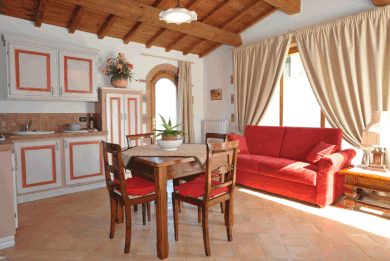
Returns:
point(124, 192)
point(212, 135)
point(139, 139)
point(205, 192)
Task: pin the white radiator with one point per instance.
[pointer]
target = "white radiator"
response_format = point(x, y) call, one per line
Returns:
point(217, 126)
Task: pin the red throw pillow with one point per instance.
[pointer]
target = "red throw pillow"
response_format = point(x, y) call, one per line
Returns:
point(242, 140)
point(322, 149)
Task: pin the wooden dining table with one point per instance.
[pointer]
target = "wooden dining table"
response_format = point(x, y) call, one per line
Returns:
point(160, 169)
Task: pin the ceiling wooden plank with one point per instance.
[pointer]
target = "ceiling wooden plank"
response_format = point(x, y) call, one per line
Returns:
point(236, 17)
point(189, 5)
point(137, 27)
point(40, 13)
point(203, 19)
point(258, 19)
point(288, 6)
point(151, 41)
point(381, 2)
point(75, 19)
point(129, 9)
point(106, 26)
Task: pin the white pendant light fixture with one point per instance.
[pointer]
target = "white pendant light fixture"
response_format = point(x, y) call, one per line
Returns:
point(178, 15)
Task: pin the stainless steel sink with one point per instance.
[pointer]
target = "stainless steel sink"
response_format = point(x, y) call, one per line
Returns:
point(26, 133)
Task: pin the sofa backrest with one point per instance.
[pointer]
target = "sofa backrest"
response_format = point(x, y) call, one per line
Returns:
point(264, 140)
point(299, 141)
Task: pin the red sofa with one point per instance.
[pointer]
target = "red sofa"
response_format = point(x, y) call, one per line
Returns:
point(274, 159)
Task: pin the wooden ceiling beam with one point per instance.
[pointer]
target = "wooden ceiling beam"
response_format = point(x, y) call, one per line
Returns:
point(258, 19)
point(130, 9)
point(137, 27)
point(151, 41)
point(381, 2)
point(288, 6)
point(40, 13)
point(106, 26)
point(235, 17)
point(203, 19)
point(75, 19)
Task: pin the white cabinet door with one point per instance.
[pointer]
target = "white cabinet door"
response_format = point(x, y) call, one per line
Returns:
point(132, 110)
point(78, 75)
point(83, 160)
point(32, 70)
point(38, 165)
point(114, 120)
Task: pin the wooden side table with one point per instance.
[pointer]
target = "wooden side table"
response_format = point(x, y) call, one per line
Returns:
point(367, 190)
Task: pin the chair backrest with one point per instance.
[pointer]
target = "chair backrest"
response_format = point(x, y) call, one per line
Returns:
point(212, 135)
point(139, 139)
point(222, 160)
point(114, 171)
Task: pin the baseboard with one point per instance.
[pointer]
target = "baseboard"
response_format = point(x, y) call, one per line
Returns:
point(59, 192)
point(6, 242)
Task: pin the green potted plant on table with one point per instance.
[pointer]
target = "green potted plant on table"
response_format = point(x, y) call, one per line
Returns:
point(120, 71)
point(171, 137)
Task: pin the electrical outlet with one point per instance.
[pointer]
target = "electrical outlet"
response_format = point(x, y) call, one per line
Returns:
point(83, 119)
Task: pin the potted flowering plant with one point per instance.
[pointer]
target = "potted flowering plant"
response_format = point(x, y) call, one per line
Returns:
point(120, 71)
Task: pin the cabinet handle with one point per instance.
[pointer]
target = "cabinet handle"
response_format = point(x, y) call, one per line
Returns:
point(66, 144)
point(16, 162)
point(52, 90)
point(57, 146)
point(125, 116)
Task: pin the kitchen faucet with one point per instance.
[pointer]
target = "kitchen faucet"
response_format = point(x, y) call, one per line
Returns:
point(27, 126)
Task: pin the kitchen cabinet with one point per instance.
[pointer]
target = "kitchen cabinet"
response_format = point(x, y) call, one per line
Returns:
point(36, 69)
point(77, 75)
point(121, 114)
point(32, 70)
point(83, 160)
point(38, 165)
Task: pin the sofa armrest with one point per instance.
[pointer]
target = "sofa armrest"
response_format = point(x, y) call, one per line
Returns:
point(326, 189)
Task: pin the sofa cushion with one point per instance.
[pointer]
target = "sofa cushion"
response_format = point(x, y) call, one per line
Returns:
point(292, 170)
point(242, 141)
point(249, 162)
point(264, 140)
point(321, 150)
point(298, 142)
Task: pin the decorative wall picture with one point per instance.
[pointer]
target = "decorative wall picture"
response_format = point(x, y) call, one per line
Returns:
point(232, 98)
point(216, 94)
point(232, 117)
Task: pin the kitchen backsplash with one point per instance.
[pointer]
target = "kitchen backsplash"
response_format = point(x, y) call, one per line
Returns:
point(10, 122)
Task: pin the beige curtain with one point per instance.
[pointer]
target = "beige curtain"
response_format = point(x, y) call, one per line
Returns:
point(348, 66)
point(257, 69)
point(185, 114)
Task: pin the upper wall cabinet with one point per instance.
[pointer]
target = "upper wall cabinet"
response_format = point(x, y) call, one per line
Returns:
point(32, 70)
point(46, 70)
point(77, 75)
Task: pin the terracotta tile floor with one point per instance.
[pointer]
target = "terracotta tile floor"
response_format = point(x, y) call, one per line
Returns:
point(267, 227)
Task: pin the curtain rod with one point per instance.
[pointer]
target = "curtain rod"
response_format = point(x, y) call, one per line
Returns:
point(166, 58)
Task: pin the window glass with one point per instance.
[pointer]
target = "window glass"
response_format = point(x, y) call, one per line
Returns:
point(166, 101)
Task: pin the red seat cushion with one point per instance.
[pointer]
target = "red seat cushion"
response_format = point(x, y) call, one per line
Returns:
point(139, 187)
point(196, 188)
point(242, 142)
point(250, 162)
point(264, 140)
point(322, 149)
point(292, 170)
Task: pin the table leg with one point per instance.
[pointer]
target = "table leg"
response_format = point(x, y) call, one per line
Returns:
point(350, 196)
point(161, 213)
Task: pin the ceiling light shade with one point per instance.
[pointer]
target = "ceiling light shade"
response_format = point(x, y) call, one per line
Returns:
point(178, 15)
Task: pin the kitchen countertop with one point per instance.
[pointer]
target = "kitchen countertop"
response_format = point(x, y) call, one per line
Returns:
point(8, 143)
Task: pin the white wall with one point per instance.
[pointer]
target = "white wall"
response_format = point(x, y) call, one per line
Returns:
point(108, 47)
point(218, 65)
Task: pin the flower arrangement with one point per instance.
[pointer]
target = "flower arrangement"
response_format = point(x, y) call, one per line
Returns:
point(119, 69)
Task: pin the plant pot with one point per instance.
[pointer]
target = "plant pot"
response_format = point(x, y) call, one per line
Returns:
point(169, 145)
point(166, 137)
point(119, 83)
